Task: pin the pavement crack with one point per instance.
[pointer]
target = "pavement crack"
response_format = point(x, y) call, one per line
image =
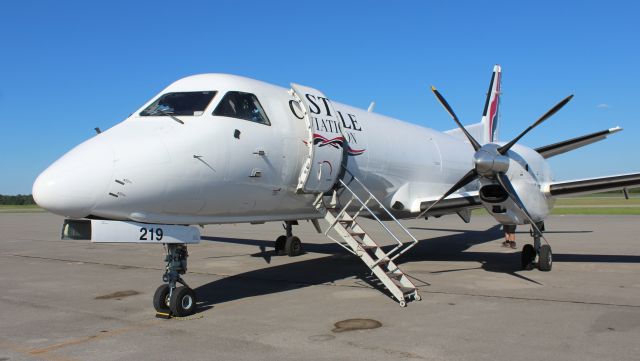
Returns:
point(538, 299)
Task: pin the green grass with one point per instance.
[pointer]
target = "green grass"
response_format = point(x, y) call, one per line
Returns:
point(598, 201)
point(607, 205)
point(20, 209)
point(598, 210)
point(597, 205)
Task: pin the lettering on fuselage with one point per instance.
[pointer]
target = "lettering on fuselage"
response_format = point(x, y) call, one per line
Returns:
point(345, 126)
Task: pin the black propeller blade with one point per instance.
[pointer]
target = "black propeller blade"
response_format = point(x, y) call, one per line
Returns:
point(466, 179)
point(508, 187)
point(503, 149)
point(447, 107)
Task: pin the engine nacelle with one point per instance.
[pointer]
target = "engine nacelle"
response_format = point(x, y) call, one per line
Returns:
point(497, 202)
point(527, 172)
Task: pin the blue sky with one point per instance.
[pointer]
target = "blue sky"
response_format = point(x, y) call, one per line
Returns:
point(69, 66)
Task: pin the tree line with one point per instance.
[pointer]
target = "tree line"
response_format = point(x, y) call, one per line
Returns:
point(17, 200)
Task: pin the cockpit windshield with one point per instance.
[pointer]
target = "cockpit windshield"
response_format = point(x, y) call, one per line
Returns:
point(183, 103)
point(242, 105)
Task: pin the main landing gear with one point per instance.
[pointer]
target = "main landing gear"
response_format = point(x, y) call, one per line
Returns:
point(542, 251)
point(289, 244)
point(170, 299)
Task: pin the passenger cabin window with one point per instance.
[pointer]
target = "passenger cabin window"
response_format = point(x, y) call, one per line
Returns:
point(183, 103)
point(241, 105)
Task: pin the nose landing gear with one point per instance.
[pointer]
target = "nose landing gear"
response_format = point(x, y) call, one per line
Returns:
point(289, 244)
point(543, 252)
point(545, 258)
point(170, 299)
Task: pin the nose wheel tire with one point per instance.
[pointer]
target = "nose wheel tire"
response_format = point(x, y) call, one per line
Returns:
point(280, 243)
point(527, 257)
point(545, 258)
point(161, 299)
point(182, 302)
point(293, 246)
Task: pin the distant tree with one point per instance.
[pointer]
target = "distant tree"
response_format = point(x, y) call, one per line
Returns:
point(17, 200)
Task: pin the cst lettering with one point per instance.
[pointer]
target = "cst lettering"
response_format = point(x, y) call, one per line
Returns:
point(320, 106)
point(327, 125)
point(314, 108)
point(352, 124)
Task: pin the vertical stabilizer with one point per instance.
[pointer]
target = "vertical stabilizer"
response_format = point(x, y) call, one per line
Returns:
point(490, 113)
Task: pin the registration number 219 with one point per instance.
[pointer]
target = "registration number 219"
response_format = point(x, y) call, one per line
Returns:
point(151, 234)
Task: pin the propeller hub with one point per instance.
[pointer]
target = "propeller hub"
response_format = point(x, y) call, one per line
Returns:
point(488, 161)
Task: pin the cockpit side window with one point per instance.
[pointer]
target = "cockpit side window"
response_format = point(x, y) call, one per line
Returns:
point(242, 105)
point(183, 103)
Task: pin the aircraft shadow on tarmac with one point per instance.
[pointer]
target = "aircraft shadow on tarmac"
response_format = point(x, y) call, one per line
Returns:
point(340, 265)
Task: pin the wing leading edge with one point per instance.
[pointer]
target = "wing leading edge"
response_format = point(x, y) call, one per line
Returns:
point(575, 143)
point(594, 185)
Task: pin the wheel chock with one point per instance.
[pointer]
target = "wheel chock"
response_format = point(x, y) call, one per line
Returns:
point(164, 315)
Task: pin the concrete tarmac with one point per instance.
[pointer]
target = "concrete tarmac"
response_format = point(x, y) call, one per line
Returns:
point(73, 300)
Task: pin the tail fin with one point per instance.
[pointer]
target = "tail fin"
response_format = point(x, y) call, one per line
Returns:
point(490, 113)
point(487, 130)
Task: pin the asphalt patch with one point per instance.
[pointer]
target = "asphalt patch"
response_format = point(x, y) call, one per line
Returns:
point(321, 338)
point(355, 324)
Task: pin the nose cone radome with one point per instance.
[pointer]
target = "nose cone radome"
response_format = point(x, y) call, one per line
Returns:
point(71, 186)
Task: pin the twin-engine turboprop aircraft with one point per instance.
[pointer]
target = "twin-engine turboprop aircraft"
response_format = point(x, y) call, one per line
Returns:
point(216, 148)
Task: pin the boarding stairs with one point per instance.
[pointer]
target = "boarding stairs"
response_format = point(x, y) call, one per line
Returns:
point(345, 230)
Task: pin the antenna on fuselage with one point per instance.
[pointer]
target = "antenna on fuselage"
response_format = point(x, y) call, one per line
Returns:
point(371, 106)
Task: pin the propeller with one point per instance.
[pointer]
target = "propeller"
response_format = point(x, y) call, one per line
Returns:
point(546, 116)
point(508, 187)
point(490, 160)
point(447, 107)
point(466, 179)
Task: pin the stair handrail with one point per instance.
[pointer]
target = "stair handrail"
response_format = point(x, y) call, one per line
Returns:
point(413, 240)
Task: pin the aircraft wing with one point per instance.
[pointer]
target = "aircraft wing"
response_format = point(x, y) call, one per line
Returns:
point(594, 185)
point(571, 144)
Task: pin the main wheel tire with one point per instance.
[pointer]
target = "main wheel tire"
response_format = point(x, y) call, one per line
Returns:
point(527, 257)
point(280, 244)
point(161, 299)
point(183, 302)
point(545, 260)
point(293, 246)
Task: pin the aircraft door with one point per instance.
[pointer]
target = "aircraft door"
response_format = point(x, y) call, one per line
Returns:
point(325, 142)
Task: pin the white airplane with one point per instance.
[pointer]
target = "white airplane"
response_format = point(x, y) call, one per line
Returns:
point(217, 148)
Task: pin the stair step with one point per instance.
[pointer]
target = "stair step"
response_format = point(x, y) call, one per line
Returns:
point(395, 274)
point(405, 290)
point(346, 221)
point(367, 247)
point(356, 233)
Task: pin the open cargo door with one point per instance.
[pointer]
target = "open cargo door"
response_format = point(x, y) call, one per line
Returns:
point(321, 167)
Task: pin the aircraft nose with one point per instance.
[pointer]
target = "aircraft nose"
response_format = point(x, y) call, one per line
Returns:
point(72, 184)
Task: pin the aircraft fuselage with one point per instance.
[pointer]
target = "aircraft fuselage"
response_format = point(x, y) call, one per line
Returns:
point(206, 168)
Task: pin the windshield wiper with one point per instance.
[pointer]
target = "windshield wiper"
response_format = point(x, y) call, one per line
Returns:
point(170, 114)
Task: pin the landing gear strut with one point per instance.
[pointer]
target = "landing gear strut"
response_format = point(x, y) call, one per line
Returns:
point(170, 299)
point(289, 244)
point(529, 252)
